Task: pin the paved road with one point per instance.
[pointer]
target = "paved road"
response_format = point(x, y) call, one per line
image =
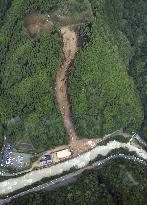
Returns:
point(11, 185)
point(6, 174)
point(66, 179)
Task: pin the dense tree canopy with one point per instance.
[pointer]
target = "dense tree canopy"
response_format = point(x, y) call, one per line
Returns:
point(130, 18)
point(107, 91)
point(105, 83)
point(28, 68)
point(103, 96)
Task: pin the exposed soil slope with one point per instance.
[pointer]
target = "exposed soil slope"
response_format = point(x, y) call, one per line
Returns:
point(69, 51)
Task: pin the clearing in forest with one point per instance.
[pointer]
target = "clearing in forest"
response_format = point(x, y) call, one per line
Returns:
point(37, 23)
point(77, 146)
point(71, 12)
point(68, 14)
point(69, 51)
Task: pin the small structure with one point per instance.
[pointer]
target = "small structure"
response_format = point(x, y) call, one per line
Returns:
point(63, 154)
point(45, 160)
point(137, 137)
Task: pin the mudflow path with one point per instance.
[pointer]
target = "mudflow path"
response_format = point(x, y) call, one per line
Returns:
point(69, 51)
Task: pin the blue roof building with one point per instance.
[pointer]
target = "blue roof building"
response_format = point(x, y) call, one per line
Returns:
point(46, 159)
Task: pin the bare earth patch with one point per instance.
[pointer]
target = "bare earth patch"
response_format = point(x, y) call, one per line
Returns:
point(69, 51)
point(37, 23)
point(77, 145)
point(83, 145)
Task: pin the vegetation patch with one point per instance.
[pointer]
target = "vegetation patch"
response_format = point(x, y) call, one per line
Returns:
point(73, 12)
point(117, 138)
point(103, 96)
point(28, 109)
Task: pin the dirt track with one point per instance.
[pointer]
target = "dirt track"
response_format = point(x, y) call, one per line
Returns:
point(69, 51)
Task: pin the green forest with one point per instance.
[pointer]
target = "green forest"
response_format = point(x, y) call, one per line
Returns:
point(117, 183)
point(107, 84)
point(107, 91)
point(28, 67)
point(108, 80)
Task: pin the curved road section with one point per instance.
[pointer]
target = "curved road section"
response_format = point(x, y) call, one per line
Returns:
point(67, 179)
point(79, 162)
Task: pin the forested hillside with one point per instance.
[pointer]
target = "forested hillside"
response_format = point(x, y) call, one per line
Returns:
point(28, 68)
point(104, 96)
point(117, 183)
point(130, 18)
point(107, 90)
point(107, 85)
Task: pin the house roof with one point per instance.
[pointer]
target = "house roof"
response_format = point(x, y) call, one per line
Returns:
point(63, 153)
point(46, 159)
